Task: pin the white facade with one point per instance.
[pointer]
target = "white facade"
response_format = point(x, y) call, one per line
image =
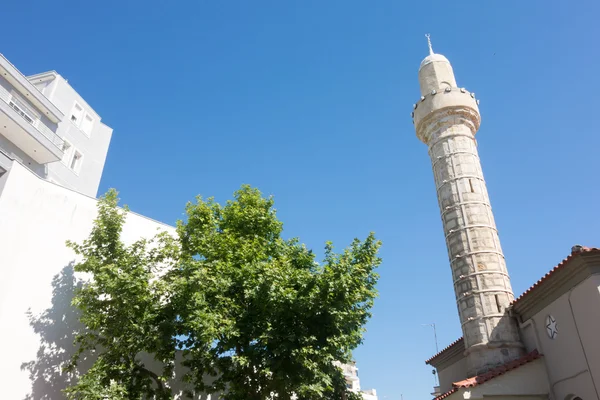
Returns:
point(51, 129)
point(53, 146)
point(86, 138)
point(353, 381)
point(37, 217)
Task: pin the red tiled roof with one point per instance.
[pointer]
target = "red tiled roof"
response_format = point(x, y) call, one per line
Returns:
point(576, 251)
point(451, 345)
point(491, 374)
point(448, 393)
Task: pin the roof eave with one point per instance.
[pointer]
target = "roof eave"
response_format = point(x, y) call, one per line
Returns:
point(571, 271)
point(454, 349)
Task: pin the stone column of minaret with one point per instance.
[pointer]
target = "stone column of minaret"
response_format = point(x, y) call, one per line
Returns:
point(446, 119)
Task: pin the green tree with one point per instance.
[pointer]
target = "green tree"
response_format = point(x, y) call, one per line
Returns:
point(254, 312)
point(123, 309)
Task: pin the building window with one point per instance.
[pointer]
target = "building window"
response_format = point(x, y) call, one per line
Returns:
point(77, 114)
point(76, 161)
point(67, 151)
point(72, 158)
point(82, 119)
point(87, 124)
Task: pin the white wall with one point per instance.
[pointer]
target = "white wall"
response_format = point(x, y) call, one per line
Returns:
point(93, 147)
point(36, 218)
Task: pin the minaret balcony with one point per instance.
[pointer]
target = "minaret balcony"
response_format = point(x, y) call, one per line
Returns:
point(443, 99)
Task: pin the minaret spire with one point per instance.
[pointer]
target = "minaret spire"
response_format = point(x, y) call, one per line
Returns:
point(446, 119)
point(428, 36)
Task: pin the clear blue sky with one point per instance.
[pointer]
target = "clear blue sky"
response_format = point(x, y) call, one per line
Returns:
point(310, 101)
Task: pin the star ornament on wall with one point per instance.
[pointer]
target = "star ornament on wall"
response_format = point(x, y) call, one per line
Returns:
point(551, 327)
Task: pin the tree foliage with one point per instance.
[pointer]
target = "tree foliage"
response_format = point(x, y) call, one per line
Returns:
point(250, 314)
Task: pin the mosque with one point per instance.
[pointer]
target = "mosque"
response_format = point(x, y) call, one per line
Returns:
point(544, 344)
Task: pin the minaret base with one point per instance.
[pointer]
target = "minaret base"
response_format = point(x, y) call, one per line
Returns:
point(480, 359)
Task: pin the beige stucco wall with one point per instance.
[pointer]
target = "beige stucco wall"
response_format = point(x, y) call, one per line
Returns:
point(572, 358)
point(529, 336)
point(586, 309)
point(453, 373)
point(526, 382)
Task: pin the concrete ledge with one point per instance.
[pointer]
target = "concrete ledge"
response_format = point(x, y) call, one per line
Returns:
point(441, 100)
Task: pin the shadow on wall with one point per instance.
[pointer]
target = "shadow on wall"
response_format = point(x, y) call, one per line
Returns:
point(57, 327)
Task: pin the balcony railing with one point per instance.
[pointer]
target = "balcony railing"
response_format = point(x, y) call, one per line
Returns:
point(31, 117)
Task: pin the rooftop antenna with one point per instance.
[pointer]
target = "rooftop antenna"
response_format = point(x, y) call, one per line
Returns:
point(434, 336)
point(428, 36)
point(437, 350)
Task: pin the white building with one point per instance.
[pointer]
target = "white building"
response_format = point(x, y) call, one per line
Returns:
point(49, 128)
point(353, 381)
point(52, 151)
point(53, 146)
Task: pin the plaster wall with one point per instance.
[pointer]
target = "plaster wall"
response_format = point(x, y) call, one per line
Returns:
point(572, 358)
point(529, 337)
point(93, 147)
point(453, 373)
point(36, 218)
point(526, 382)
point(15, 152)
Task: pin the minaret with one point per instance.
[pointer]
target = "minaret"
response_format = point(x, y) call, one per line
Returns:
point(446, 119)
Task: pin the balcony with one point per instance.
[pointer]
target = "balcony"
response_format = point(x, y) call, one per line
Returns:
point(23, 126)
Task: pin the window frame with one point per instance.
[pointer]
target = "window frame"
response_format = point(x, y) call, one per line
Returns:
point(67, 153)
point(79, 162)
point(84, 115)
point(92, 119)
point(77, 122)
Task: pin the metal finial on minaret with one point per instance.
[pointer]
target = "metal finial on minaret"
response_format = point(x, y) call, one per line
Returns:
point(428, 36)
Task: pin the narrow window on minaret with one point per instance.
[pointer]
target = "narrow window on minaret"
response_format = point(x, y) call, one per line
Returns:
point(471, 185)
point(498, 303)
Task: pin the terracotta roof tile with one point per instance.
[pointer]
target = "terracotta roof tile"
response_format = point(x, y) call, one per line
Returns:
point(577, 250)
point(493, 373)
point(451, 345)
point(448, 393)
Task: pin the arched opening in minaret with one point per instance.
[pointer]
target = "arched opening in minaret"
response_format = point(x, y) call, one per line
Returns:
point(471, 186)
